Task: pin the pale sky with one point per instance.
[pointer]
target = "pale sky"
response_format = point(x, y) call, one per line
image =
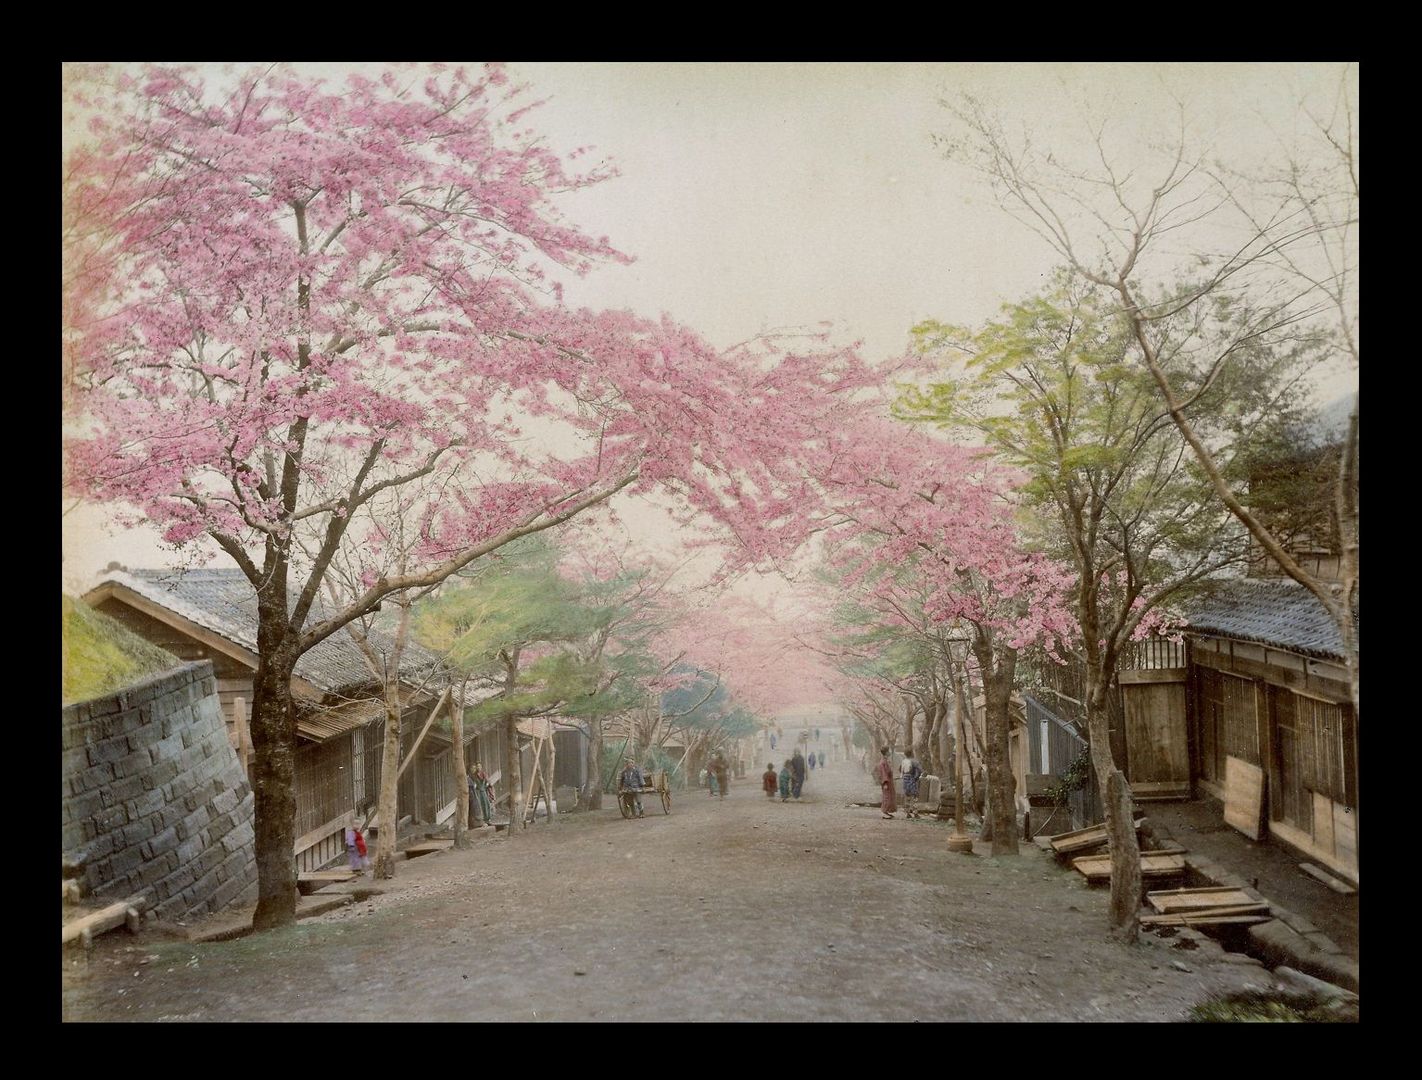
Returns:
point(761, 196)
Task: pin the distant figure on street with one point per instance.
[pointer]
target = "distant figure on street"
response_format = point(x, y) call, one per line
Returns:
point(884, 773)
point(911, 770)
point(812, 762)
point(769, 781)
point(797, 769)
point(772, 740)
point(631, 782)
point(481, 801)
point(720, 770)
point(822, 759)
point(787, 777)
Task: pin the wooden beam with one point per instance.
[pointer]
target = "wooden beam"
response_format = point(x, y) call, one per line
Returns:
point(244, 734)
point(114, 915)
point(429, 720)
point(1151, 675)
point(316, 835)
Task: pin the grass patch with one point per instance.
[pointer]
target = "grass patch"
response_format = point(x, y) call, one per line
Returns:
point(1254, 1007)
point(102, 656)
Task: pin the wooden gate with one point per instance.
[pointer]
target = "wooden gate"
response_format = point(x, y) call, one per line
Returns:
point(1157, 750)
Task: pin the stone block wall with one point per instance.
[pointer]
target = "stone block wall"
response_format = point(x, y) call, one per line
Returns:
point(155, 801)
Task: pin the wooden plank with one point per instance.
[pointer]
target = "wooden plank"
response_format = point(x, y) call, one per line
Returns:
point(1259, 908)
point(309, 882)
point(1178, 900)
point(1208, 919)
point(316, 835)
point(428, 847)
point(1244, 797)
point(108, 918)
point(1151, 675)
point(1082, 839)
point(1098, 867)
point(244, 733)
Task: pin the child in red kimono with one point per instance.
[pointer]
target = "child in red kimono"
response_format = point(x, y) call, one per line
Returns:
point(769, 781)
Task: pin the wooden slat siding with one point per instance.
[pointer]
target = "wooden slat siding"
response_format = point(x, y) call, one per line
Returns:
point(570, 765)
point(436, 785)
point(323, 783)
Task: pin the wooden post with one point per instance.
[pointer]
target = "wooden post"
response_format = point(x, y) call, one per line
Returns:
point(244, 734)
point(552, 772)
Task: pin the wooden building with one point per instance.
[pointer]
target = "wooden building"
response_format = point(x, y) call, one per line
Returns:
point(210, 614)
point(1272, 730)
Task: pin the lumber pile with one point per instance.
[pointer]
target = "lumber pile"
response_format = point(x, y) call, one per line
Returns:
point(1211, 906)
point(1154, 864)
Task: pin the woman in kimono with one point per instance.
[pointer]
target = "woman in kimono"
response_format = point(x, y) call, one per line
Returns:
point(884, 773)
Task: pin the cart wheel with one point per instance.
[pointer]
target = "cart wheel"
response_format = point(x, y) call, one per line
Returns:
point(624, 803)
point(666, 801)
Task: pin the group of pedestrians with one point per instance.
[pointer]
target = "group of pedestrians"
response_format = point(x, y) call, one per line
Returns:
point(911, 771)
point(790, 781)
point(717, 774)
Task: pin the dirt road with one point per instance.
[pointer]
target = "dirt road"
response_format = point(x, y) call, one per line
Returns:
point(735, 909)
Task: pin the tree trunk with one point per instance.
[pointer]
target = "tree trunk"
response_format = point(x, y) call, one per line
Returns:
point(923, 750)
point(1120, 822)
point(273, 728)
point(909, 710)
point(461, 774)
point(513, 776)
point(592, 789)
point(997, 691)
point(389, 810)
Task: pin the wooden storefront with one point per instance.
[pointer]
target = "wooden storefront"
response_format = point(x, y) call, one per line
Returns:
point(1291, 718)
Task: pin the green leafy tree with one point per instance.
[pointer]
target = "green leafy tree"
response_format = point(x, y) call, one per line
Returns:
point(1111, 487)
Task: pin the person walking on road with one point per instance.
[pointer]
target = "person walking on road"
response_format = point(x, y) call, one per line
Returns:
point(822, 759)
point(787, 777)
point(722, 773)
point(769, 781)
point(812, 762)
point(797, 769)
point(884, 773)
point(911, 770)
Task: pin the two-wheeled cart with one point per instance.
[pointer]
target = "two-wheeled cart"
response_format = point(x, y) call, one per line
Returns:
point(660, 787)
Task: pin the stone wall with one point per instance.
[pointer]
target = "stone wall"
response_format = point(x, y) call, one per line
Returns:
point(156, 802)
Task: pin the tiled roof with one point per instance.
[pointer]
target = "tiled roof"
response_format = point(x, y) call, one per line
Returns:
point(1280, 613)
point(224, 602)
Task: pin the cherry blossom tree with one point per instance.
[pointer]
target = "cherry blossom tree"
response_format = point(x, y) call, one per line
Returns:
point(897, 497)
point(326, 308)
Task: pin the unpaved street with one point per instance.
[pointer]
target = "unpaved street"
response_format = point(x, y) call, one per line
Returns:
point(741, 909)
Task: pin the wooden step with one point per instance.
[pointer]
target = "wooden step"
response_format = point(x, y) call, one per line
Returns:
point(427, 847)
point(1098, 867)
point(1190, 901)
point(309, 882)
